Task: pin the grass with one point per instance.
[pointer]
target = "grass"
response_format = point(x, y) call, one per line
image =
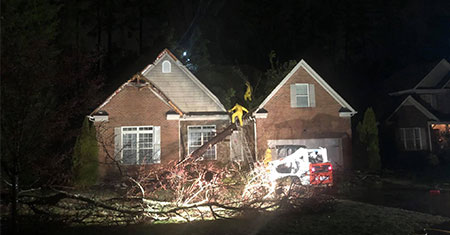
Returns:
point(347, 217)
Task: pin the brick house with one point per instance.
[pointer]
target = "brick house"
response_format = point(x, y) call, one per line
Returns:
point(421, 122)
point(158, 117)
point(304, 110)
point(166, 113)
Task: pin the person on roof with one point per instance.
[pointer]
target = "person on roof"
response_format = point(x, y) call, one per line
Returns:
point(239, 112)
point(248, 92)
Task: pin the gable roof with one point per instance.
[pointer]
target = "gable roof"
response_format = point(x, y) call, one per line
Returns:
point(145, 85)
point(302, 64)
point(437, 78)
point(185, 90)
point(435, 81)
point(411, 101)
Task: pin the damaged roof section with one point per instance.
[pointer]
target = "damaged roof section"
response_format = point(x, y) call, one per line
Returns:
point(140, 82)
point(176, 86)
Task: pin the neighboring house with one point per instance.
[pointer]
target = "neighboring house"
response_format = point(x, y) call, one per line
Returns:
point(158, 117)
point(421, 121)
point(304, 110)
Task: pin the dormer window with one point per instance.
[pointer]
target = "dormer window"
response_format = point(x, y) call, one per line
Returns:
point(166, 67)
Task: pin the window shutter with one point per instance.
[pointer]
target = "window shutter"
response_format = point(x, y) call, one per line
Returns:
point(293, 98)
point(157, 144)
point(117, 143)
point(312, 96)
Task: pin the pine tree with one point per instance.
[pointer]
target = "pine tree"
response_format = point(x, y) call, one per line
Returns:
point(368, 137)
point(85, 156)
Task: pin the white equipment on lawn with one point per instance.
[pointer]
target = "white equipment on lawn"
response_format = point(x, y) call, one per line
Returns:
point(311, 166)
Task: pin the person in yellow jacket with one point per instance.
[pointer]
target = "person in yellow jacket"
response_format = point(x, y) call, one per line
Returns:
point(248, 92)
point(238, 112)
point(267, 157)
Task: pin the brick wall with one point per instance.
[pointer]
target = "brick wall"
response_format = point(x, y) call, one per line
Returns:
point(322, 121)
point(134, 107)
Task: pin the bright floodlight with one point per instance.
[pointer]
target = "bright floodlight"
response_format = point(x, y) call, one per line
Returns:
point(184, 53)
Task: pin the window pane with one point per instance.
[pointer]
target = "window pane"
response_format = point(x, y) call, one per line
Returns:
point(146, 156)
point(129, 141)
point(207, 136)
point(166, 67)
point(417, 132)
point(409, 133)
point(193, 128)
point(301, 89)
point(145, 140)
point(302, 101)
point(195, 138)
point(129, 157)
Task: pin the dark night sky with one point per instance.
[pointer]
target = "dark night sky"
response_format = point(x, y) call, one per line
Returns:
point(361, 48)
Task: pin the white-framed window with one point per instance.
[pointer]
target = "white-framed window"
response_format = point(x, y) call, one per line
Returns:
point(199, 135)
point(140, 145)
point(302, 95)
point(411, 138)
point(166, 66)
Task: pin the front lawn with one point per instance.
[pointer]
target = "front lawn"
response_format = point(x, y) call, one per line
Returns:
point(347, 217)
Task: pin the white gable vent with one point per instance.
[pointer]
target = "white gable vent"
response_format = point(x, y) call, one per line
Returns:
point(166, 67)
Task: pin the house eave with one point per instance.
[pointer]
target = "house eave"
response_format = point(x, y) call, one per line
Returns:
point(172, 116)
point(260, 115)
point(199, 117)
point(419, 91)
point(347, 114)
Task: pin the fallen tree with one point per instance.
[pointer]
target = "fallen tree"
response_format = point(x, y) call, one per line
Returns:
point(195, 192)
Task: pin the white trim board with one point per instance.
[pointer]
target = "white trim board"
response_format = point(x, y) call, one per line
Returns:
point(417, 105)
point(317, 77)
